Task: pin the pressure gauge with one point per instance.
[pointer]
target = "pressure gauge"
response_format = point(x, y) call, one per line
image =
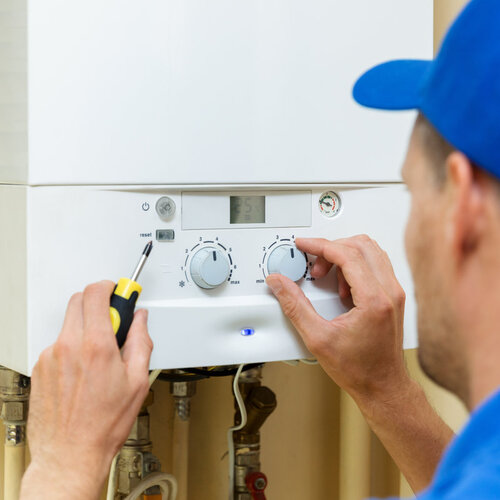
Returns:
point(329, 204)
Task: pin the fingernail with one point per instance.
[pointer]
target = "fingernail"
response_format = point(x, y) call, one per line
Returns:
point(274, 283)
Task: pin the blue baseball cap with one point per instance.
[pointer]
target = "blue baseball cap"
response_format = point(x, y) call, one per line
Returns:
point(458, 92)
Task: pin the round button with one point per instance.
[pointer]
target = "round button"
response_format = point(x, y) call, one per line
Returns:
point(288, 261)
point(209, 267)
point(165, 207)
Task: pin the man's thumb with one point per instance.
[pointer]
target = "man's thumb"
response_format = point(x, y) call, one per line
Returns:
point(296, 306)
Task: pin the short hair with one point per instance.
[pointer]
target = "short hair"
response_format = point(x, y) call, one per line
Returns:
point(437, 149)
point(435, 146)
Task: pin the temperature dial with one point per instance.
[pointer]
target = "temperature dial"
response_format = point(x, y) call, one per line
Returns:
point(288, 261)
point(209, 267)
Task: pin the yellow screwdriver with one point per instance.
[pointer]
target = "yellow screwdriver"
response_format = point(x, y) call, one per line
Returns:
point(124, 297)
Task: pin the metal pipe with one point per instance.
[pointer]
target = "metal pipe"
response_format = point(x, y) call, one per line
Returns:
point(180, 455)
point(135, 461)
point(182, 392)
point(14, 396)
point(14, 457)
point(260, 402)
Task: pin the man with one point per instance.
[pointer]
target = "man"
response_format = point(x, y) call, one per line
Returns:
point(452, 170)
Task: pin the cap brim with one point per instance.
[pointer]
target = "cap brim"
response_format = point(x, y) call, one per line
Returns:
point(394, 85)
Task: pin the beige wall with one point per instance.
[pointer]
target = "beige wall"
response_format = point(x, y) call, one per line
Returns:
point(444, 13)
point(301, 440)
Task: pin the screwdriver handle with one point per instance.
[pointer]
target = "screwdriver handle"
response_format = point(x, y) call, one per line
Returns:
point(122, 307)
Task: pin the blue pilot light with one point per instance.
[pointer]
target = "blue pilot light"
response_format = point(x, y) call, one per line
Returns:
point(246, 332)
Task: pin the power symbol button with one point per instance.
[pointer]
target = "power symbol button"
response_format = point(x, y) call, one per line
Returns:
point(145, 206)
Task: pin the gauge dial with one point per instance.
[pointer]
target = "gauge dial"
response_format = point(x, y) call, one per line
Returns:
point(329, 204)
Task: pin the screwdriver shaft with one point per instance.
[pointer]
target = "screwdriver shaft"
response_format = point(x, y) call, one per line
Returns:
point(142, 261)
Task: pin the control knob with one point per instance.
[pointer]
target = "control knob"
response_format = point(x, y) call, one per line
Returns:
point(209, 267)
point(288, 261)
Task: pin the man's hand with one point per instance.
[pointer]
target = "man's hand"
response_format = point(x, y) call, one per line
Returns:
point(85, 396)
point(361, 350)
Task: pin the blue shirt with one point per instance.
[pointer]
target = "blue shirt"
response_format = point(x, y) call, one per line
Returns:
point(470, 468)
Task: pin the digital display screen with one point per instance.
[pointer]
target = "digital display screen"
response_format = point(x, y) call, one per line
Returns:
point(247, 209)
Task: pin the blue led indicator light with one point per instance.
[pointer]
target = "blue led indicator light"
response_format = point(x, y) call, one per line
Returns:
point(247, 332)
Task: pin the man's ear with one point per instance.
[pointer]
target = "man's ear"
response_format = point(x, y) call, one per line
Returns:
point(465, 211)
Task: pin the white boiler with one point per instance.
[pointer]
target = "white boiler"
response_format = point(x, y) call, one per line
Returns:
point(222, 130)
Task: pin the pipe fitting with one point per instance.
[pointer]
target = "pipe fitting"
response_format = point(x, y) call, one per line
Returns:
point(260, 402)
point(183, 392)
point(14, 404)
point(136, 461)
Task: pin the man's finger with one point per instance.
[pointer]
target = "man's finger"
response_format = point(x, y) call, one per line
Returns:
point(314, 246)
point(378, 261)
point(296, 306)
point(96, 300)
point(73, 320)
point(344, 290)
point(137, 349)
point(363, 284)
point(320, 268)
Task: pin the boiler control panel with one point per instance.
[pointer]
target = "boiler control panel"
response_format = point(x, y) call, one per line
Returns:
point(204, 282)
point(231, 239)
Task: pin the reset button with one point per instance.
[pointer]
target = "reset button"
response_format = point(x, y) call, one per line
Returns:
point(165, 235)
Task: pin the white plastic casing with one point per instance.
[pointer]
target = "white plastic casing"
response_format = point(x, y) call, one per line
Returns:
point(131, 101)
point(62, 238)
point(221, 91)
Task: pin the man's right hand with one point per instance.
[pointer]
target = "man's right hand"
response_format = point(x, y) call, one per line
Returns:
point(361, 350)
point(85, 396)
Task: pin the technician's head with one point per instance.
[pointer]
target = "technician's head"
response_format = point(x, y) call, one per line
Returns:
point(452, 170)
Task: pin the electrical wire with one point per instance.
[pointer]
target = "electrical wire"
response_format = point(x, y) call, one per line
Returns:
point(166, 482)
point(153, 376)
point(110, 495)
point(230, 443)
point(296, 362)
point(309, 361)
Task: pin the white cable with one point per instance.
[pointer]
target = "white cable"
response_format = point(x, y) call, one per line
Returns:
point(291, 362)
point(166, 482)
point(153, 376)
point(309, 361)
point(230, 444)
point(110, 495)
point(295, 362)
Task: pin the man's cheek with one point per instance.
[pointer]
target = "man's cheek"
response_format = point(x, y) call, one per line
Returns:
point(410, 239)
